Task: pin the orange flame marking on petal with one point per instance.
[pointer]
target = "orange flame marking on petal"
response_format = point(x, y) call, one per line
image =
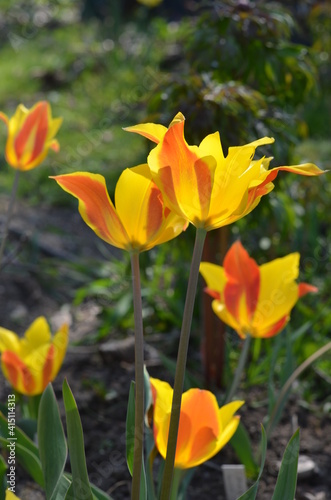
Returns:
point(92, 193)
point(41, 134)
point(243, 278)
point(277, 327)
point(167, 182)
point(36, 119)
point(155, 212)
point(205, 185)
point(16, 367)
point(48, 366)
point(213, 293)
point(175, 152)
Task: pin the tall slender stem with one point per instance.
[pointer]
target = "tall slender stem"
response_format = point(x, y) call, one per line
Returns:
point(9, 214)
point(239, 369)
point(139, 376)
point(181, 364)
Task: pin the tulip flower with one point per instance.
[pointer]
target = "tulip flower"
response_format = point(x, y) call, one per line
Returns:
point(254, 300)
point(31, 134)
point(204, 428)
point(202, 185)
point(31, 362)
point(140, 220)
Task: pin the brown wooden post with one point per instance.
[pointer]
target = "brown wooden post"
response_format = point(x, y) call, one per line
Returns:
point(213, 341)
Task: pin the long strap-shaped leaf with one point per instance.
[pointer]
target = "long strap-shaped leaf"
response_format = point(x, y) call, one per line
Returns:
point(251, 493)
point(80, 486)
point(287, 477)
point(52, 444)
point(130, 419)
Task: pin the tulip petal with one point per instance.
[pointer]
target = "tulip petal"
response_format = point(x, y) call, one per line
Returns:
point(204, 169)
point(205, 444)
point(48, 367)
point(185, 431)
point(261, 142)
point(95, 206)
point(139, 205)
point(53, 124)
point(221, 311)
point(172, 165)
point(231, 183)
point(203, 448)
point(60, 343)
point(31, 137)
point(211, 145)
point(36, 335)
point(4, 118)
point(227, 411)
point(9, 341)
point(305, 288)
point(278, 291)
point(214, 276)
point(202, 408)
point(18, 373)
point(151, 131)
point(162, 395)
point(271, 331)
point(307, 169)
point(241, 291)
point(227, 434)
point(54, 144)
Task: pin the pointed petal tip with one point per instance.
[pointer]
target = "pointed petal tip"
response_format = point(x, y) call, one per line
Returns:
point(4, 118)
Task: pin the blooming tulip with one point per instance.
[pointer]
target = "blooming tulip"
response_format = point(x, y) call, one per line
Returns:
point(31, 362)
point(31, 134)
point(254, 300)
point(200, 184)
point(204, 428)
point(140, 220)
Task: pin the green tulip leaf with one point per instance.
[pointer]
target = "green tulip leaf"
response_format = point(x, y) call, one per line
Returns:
point(80, 485)
point(130, 414)
point(287, 477)
point(26, 451)
point(97, 493)
point(130, 422)
point(52, 443)
point(251, 493)
point(241, 444)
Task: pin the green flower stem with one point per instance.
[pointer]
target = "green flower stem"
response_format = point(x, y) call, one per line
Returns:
point(239, 369)
point(139, 376)
point(181, 364)
point(33, 406)
point(177, 478)
point(290, 380)
point(9, 214)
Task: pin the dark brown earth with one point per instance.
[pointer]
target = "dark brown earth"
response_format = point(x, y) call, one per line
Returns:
point(100, 382)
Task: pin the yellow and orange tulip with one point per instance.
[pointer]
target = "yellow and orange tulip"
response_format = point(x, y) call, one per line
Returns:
point(254, 300)
point(140, 220)
point(204, 428)
point(31, 362)
point(202, 185)
point(31, 134)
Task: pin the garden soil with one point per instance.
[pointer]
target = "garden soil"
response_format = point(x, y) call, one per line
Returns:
point(100, 376)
